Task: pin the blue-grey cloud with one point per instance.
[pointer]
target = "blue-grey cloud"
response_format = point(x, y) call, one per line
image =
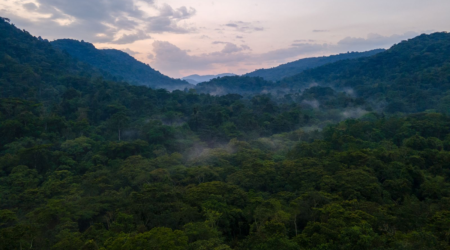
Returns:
point(30, 6)
point(373, 41)
point(104, 21)
point(245, 27)
point(130, 52)
point(231, 47)
point(170, 59)
point(126, 39)
point(320, 31)
point(169, 18)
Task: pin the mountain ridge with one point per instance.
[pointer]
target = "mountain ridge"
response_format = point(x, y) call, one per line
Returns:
point(413, 75)
point(296, 67)
point(119, 64)
point(196, 79)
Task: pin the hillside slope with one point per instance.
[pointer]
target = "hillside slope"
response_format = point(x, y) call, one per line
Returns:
point(119, 64)
point(412, 76)
point(293, 68)
point(196, 79)
point(31, 68)
point(89, 163)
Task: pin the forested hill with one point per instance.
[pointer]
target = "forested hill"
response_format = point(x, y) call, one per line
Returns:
point(294, 68)
point(411, 76)
point(119, 64)
point(87, 163)
point(31, 68)
point(243, 85)
point(196, 79)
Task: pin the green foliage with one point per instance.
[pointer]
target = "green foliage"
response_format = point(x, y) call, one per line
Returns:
point(412, 76)
point(118, 64)
point(87, 163)
point(296, 67)
point(155, 239)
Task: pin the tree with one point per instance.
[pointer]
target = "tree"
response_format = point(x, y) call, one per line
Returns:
point(119, 121)
point(158, 238)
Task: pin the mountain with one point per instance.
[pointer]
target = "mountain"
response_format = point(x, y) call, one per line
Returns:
point(32, 69)
point(119, 64)
point(196, 79)
point(293, 68)
point(242, 85)
point(412, 76)
point(87, 162)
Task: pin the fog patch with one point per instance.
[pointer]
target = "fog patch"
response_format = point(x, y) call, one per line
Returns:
point(354, 113)
point(219, 91)
point(201, 154)
point(349, 91)
point(312, 103)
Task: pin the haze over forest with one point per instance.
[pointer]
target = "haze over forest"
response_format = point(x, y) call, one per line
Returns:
point(250, 125)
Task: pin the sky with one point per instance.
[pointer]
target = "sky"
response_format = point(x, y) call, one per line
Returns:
point(184, 37)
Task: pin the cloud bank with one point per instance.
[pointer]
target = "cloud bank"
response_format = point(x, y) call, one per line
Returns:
point(174, 61)
point(103, 21)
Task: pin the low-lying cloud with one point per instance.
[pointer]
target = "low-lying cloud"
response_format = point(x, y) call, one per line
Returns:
point(354, 113)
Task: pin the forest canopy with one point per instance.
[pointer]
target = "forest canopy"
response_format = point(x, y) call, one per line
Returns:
point(90, 162)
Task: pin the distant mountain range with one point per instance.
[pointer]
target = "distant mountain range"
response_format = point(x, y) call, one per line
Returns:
point(296, 67)
point(196, 79)
point(412, 76)
point(119, 64)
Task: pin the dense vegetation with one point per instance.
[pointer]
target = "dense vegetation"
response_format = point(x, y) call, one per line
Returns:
point(296, 67)
point(196, 79)
point(90, 163)
point(412, 76)
point(119, 64)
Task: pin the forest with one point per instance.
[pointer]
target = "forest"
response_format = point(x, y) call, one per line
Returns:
point(90, 161)
point(297, 67)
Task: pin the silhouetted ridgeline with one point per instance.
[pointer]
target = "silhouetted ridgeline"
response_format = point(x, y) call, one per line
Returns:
point(119, 64)
point(412, 76)
point(296, 67)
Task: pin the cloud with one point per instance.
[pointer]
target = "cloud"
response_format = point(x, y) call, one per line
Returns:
point(168, 20)
point(312, 103)
point(373, 41)
point(103, 21)
point(30, 6)
point(130, 52)
point(304, 41)
point(126, 39)
point(93, 11)
point(231, 47)
point(295, 50)
point(353, 113)
point(232, 57)
point(245, 27)
point(320, 31)
point(161, 24)
point(125, 23)
point(180, 13)
point(173, 60)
